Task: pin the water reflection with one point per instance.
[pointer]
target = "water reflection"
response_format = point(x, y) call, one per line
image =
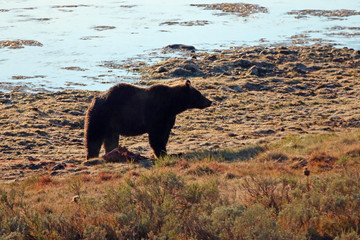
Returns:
point(78, 37)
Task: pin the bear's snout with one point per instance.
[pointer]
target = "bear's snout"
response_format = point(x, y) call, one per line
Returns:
point(209, 103)
point(206, 103)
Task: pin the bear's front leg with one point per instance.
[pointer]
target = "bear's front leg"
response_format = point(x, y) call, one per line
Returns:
point(158, 141)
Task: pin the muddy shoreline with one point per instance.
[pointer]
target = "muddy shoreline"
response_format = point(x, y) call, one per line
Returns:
point(260, 95)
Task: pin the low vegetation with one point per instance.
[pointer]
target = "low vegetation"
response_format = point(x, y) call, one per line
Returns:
point(276, 156)
point(255, 192)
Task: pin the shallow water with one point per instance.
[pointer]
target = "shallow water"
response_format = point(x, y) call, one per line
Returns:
point(80, 37)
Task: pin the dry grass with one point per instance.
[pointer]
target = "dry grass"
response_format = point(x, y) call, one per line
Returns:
point(194, 198)
point(240, 174)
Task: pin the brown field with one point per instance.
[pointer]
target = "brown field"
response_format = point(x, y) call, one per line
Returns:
point(276, 112)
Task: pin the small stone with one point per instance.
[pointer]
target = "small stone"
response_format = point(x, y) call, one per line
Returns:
point(258, 71)
point(205, 144)
point(181, 47)
point(32, 159)
point(103, 28)
point(253, 86)
point(356, 54)
point(266, 132)
point(75, 113)
point(237, 89)
point(18, 166)
point(224, 89)
point(161, 69)
point(33, 166)
point(243, 63)
point(335, 118)
point(75, 199)
point(232, 135)
point(191, 67)
point(211, 57)
point(58, 167)
point(230, 176)
point(180, 72)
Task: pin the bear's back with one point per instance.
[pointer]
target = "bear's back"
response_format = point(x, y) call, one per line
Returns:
point(122, 92)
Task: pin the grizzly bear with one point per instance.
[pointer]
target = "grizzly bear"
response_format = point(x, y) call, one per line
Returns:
point(129, 110)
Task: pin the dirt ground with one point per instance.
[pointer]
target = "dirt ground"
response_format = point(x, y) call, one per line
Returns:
point(259, 94)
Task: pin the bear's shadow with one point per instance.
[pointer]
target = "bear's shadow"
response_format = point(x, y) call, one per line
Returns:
point(224, 155)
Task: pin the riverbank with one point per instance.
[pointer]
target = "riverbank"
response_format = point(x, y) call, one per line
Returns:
point(260, 95)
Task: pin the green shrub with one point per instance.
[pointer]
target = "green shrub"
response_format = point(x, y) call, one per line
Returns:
point(161, 205)
point(257, 222)
point(223, 220)
point(267, 191)
point(164, 206)
point(329, 209)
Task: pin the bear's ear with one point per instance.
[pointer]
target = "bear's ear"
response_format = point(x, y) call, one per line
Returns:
point(188, 83)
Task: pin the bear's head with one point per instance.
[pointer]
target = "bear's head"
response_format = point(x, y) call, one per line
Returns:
point(194, 98)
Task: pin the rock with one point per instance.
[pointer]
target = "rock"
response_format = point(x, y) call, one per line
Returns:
point(253, 86)
point(265, 132)
point(59, 166)
point(257, 71)
point(180, 72)
point(335, 118)
point(240, 9)
point(211, 58)
point(243, 63)
point(296, 128)
point(75, 199)
point(70, 162)
point(19, 43)
point(32, 159)
point(219, 98)
point(237, 89)
point(33, 166)
point(191, 67)
point(266, 66)
point(356, 54)
point(181, 47)
point(218, 70)
point(232, 135)
point(301, 68)
point(18, 166)
point(76, 113)
point(224, 89)
point(205, 144)
point(328, 85)
point(161, 69)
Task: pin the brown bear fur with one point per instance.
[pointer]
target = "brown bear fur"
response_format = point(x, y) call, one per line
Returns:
point(129, 110)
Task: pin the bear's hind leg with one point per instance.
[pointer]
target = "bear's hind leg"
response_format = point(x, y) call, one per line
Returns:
point(111, 142)
point(96, 121)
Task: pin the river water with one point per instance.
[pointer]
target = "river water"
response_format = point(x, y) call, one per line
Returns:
point(80, 38)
